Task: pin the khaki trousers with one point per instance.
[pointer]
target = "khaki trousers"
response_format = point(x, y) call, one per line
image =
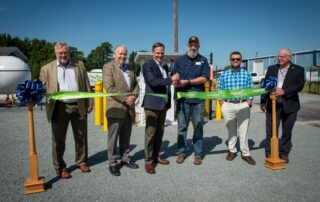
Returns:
point(119, 128)
point(237, 117)
point(62, 115)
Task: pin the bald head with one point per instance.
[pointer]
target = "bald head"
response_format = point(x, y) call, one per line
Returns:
point(120, 54)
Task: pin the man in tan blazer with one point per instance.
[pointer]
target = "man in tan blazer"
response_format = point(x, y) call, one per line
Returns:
point(118, 78)
point(64, 74)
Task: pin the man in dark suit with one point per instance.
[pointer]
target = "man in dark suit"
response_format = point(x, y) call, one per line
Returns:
point(290, 82)
point(118, 78)
point(65, 74)
point(156, 78)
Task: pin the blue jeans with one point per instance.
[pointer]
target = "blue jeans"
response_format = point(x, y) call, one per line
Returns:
point(185, 111)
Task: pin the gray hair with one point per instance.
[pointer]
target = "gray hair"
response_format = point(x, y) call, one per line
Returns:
point(59, 43)
point(287, 50)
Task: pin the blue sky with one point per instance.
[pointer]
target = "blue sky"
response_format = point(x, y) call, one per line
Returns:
point(223, 26)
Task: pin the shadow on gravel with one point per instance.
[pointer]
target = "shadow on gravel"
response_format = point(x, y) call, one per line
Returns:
point(209, 143)
point(56, 178)
point(98, 158)
point(51, 182)
point(102, 156)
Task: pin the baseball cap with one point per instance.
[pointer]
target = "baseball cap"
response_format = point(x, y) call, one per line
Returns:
point(194, 39)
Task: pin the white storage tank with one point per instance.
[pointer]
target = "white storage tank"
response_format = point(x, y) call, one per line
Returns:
point(13, 70)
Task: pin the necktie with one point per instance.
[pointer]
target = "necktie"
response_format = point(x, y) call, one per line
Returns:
point(123, 67)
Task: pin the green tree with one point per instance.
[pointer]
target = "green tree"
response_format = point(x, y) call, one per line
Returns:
point(134, 65)
point(99, 56)
point(76, 54)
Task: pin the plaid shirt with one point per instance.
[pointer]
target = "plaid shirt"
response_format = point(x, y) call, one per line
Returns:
point(239, 79)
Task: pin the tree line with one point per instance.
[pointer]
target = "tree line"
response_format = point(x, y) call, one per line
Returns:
point(40, 52)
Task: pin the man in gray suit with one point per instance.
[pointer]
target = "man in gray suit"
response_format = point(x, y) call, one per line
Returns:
point(118, 78)
point(65, 74)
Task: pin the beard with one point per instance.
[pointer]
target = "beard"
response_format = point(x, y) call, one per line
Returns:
point(192, 54)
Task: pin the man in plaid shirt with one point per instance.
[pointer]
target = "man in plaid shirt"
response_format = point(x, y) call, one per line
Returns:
point(236, 111)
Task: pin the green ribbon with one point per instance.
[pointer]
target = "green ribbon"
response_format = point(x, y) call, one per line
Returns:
point(64, 95)
point(219, 94)
point(223, 94)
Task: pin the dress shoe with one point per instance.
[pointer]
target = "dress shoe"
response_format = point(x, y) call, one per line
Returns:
point(150, 169)
point(161, 161)
point(197, 160)
point(114, 170)
point(130, 165)
point(180, 159)
point(231, 156)
point(249, 160)
point(64, 174)
point(84, 168)
point(285, 158)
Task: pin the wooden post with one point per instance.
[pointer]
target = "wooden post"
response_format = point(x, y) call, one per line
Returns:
point(34, 184)
point(274, 162)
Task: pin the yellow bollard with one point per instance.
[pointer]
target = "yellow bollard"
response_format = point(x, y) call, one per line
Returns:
point(105, 121)
point(218, 107)
point(218, 111)
point(98, 104)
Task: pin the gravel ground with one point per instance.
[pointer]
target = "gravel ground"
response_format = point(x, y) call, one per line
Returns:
point(215, 180)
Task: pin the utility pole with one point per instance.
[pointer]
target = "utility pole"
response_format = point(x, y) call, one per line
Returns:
point(175, 18)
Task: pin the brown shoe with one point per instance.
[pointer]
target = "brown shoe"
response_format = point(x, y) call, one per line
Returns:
point(231, 156)
point(84, 168)
point(249, 160)
point(149, 168)
point(197, 160)
point(162, 161)
point(64, 174)
point(285, 158)
point(180, 159)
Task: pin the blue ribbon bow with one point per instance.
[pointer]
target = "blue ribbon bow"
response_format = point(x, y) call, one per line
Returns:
point(270, 83)
point(30, 91)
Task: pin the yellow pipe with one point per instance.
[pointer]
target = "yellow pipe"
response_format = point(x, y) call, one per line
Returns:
point(218, 107)
point(98, 104)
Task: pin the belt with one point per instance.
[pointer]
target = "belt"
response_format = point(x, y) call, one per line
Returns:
point(67, 103)
point(235, 101)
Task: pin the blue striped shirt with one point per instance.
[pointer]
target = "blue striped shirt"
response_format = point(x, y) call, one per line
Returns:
point(239, 79)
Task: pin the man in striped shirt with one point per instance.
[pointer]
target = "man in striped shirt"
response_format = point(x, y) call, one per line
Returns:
point(236, 111)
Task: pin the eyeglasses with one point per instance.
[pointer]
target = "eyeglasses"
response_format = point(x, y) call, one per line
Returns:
point(235, 59)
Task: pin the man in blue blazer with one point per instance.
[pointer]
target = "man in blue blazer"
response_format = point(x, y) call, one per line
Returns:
point(157, 80)
point(290, 82)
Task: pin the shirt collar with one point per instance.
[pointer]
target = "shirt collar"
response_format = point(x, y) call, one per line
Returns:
point(158, 63)
point(60, 65)
point(123, 66)
point(235, 70)
point(285, 68)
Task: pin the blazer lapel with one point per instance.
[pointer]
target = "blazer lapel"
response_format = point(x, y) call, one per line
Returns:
point(120, 75)
point(289, 73)
point(157, 69)
point(53, 73)
point(76, 73)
